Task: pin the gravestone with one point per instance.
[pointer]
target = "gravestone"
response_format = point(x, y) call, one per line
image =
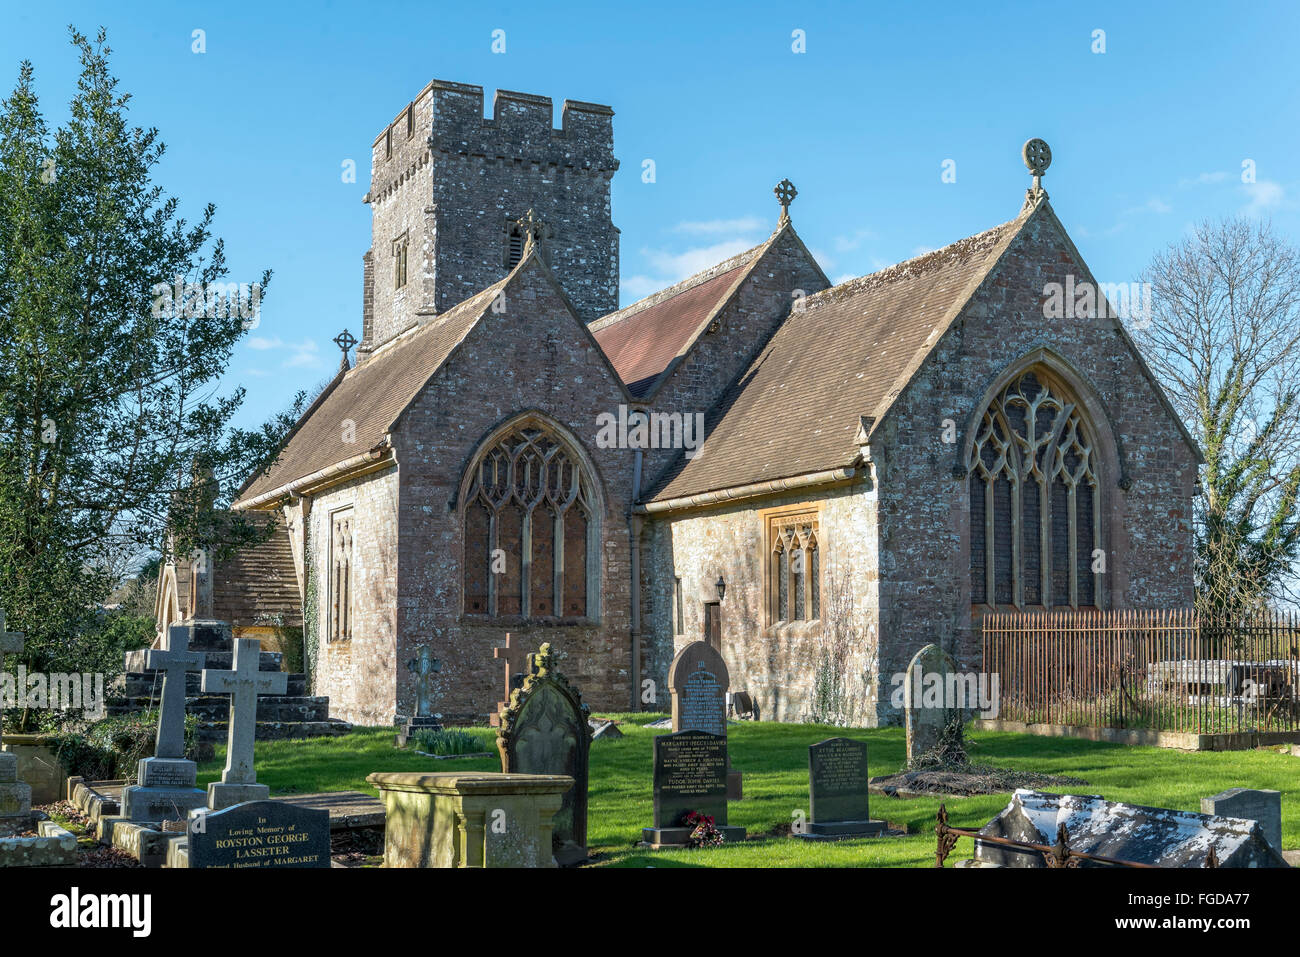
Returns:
point(698, 681)
point(546, 730)
point(244, 683)
point(514, 660)
point(925, 703)
point(690, 774)
point(15, 795)
point(837, 791)
point(1253, 805)
point(1128, 832)
point(423, 666)
point(260, 834)
point(166, 790)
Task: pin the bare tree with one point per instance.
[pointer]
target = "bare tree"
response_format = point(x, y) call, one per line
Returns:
point(1224, 340)
point(836, 688)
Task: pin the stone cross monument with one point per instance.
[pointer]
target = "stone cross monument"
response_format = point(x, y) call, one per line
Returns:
point(244, 683)
point(166, 781)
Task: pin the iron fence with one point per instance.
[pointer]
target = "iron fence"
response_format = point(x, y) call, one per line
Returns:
point(1159, 670)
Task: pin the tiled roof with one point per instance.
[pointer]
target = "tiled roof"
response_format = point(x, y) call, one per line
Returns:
point(846, 354)
point(642, 339)
point(370, 396)
point(258, 585)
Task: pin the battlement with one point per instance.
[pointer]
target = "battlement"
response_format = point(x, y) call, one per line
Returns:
point(448, 117)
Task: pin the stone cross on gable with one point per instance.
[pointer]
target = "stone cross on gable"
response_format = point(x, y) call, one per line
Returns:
point(785, 194)
point(11, 642)
point(422, 667)
point(244, 683)
point(174, 663)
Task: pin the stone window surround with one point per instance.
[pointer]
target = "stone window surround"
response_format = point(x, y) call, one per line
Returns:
point(594, 505)
point(340, 615)
point(1112, 471)
point(401, 252)
point(773, 520)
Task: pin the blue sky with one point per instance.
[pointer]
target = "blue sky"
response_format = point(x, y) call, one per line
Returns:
point(1148, 137)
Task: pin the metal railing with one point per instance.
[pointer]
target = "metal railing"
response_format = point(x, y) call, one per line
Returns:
point(1166, 670)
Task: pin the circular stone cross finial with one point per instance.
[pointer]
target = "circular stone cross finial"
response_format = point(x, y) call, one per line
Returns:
point(1037, 155)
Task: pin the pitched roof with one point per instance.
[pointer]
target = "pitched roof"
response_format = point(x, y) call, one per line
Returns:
point(642, 340)
point(258, 585)
point(371, 396)
point(847, 353)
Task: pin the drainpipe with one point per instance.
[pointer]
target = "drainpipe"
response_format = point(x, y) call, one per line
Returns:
point(634, 529)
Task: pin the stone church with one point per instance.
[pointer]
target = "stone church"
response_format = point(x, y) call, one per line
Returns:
point(882, 461)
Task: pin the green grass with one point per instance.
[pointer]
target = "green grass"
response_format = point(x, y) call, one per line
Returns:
point(774, 760)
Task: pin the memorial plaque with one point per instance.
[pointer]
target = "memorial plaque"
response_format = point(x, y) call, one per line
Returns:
point(690, 775)
point(837, 781)
point(260, 834)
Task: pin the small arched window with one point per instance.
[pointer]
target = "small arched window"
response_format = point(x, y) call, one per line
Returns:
point(1035, 509)
point(530, 522)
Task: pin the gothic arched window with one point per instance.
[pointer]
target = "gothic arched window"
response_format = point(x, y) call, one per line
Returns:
point(1035, 509)
point(530, 530)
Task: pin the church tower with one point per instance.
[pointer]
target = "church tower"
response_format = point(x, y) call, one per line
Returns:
point(447, 187)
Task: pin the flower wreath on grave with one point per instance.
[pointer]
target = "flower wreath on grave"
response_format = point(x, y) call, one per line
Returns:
point(703, 831)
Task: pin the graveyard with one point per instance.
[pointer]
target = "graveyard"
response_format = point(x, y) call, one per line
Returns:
point(776, 784)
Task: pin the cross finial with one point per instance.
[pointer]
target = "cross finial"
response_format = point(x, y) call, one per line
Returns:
point(1037, 156)
point(345, 341)
point(531, 226)
point(785, 194)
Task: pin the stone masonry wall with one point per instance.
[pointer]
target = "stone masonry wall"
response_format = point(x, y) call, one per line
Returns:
point(533, 357)
point(358, 675)
point(450, 181)
point(774, 663)
point(924, 507)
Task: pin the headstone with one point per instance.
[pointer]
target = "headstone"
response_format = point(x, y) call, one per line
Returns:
point(166, 791)
point(546, 730)
point(15, 795)
point(244, 683)
point(837, 791)
point(698, 681)
point(513, 662)
point(690, 774)
point(1128, 832)
point(260, 834)
point(924, 700)
point(1253, 805)
point(423, 666)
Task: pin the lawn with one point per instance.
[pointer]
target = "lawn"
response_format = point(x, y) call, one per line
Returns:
point(774, 759)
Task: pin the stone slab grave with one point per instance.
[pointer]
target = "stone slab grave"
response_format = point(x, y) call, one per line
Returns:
point(1253, 805)
point(514, 661)
point(697, 681)
point(38, 766)
point(690, 774)
point(470, 819)
point(1130, 832)
point(924, 705)
point(243, 683)
point(546, 730)
point(424, 666)
point(257, 834)
point(50, 845)
point(165, 790)
point(837, 792)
